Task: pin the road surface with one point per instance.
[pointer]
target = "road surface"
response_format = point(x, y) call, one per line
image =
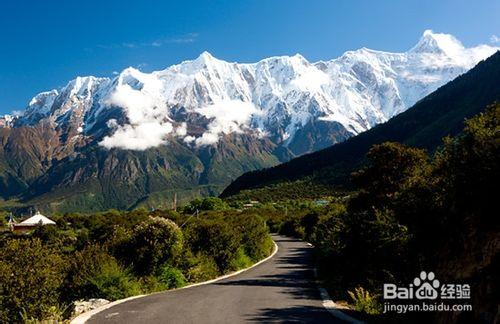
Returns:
point(282, 289)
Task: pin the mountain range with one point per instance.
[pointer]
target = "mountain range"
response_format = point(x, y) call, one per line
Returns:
point(440, 114)
point(141, 138)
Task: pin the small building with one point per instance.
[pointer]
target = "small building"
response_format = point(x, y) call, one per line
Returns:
point(32, 222)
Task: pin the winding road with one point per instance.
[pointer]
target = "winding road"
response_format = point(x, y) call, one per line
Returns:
point(281, 289)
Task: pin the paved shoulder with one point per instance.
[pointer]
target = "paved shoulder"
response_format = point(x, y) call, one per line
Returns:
point(281, 289)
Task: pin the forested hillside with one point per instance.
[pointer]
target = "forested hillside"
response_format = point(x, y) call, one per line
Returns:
point(440, 114)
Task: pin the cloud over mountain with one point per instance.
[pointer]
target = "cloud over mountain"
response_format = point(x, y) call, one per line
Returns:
point(277, 97)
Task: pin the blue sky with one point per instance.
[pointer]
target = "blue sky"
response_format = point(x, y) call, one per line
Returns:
point(44, 44)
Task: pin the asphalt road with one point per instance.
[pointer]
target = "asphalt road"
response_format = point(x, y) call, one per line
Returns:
point(282, 289)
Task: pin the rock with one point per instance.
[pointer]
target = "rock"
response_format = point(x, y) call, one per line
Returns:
point(82, 306)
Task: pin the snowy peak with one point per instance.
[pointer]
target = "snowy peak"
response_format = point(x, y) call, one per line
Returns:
point(276, 97)
point(6, 120)
point(436, 43)
point(439, 48)
point(205, 57)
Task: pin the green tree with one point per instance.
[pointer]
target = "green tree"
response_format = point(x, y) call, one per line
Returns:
point(390, 168)
point(31, 275)
point(154, 242)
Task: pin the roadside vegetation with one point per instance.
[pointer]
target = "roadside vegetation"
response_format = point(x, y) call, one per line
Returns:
point(412, 211)
point(407, 211)
point(114, 255)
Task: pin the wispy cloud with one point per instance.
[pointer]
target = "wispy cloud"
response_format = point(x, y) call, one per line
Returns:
point(129, 45)
point(182, 39)
point(185, 39)
point(494, 39)
point(17, 112)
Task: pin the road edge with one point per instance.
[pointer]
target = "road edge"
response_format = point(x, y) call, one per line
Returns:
point(329, 304)
point(82, 318)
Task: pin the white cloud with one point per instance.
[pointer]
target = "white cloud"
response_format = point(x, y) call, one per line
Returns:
point(181, 130)
point(129, 45)
point(148, 122)
point(311, 80)
point(180, 39)
point(183, 39)
point(189, 139)
point(138, 137)
point(17, 113)
point(228, 116)
point(147, 115)
point(494, 39)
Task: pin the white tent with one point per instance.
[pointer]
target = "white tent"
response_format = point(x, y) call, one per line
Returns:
point(37, 219)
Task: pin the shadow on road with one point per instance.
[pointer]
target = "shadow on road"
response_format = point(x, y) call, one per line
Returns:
point(299, 314)
point(297, 277)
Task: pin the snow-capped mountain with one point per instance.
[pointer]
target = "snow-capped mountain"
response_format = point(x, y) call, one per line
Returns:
point(142, 138)
point(6, 120)
point(275, 97)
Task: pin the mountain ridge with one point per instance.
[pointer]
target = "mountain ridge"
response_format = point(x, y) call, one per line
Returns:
point(424, 125)
point(276, 96)
point(200, 124)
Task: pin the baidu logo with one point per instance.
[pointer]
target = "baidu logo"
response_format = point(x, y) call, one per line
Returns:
point(426, 286)
point(426, 293)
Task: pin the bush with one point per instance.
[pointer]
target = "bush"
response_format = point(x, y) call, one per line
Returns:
point(257, 243)
point(201, 268)
point(292, 227)
point(53, 314)
point(112, 282)
point(171, 277)
point(154, 242)
point(96, 274)
point(30, 277)
point(216, 239)
point(241, 260)
point(205, 204)
point(151, 284)
point(364, 301)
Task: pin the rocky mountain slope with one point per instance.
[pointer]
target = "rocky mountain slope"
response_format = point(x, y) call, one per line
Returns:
point(139, 138)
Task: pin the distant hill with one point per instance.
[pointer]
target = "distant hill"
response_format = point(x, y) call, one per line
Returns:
point(424, 125)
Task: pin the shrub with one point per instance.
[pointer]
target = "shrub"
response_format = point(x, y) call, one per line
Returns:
point(151, 284)
point(205, 204)
point(96, 274)
point(30, 277)
point(364, 301)
point(154, 242)
point(201, 268)
point(241, 260)
point(171, 277)
point(257, 243)
point(216, 239)
point(53, 314)
point(112, 283)
point(293, 228)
